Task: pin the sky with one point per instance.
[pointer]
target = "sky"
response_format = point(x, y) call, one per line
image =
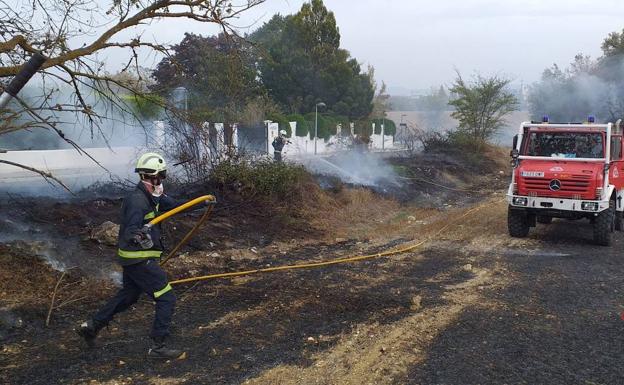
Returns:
point(415, 44)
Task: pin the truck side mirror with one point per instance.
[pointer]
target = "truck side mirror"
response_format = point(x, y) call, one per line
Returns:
point(515, 141)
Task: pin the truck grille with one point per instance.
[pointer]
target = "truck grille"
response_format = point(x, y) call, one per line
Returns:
point(571, 187)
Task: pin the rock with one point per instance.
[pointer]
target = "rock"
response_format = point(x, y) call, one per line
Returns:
point(106, 233)
point(99, 203)
point(311, 340)
point(10, 320)
point(338, 240)
point(416, 303)
point(501, 172)
point(411, 218)
point(467, 267)
point(215, 255)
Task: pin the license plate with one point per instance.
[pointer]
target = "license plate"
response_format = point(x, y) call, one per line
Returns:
point(534, 174)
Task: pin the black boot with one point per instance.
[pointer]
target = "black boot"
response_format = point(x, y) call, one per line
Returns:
point(89, 331)
point(159, 350)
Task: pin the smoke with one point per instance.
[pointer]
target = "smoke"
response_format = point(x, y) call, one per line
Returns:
point(113, 125)
point(586, 88)
point(354, 167)
point(60, 253)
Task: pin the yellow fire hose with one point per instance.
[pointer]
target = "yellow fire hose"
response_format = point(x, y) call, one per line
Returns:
point(170, 213)
point(298, 266)
point(160, 218)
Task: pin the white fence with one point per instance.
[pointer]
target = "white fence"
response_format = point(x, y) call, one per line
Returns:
point(307, 145)
point(77, 170)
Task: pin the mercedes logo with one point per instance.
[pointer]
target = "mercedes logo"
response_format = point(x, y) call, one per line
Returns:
point(555, 185)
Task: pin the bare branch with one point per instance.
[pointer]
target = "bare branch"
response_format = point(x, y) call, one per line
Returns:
point(47, 322)
point(44, 174)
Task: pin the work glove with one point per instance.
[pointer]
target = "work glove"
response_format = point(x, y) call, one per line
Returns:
point(143, 238)
point(211, 202)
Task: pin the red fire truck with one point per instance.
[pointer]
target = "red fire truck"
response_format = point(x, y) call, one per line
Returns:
point(571, 171)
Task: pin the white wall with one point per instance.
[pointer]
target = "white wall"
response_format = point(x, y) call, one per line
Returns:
point(304, 145)
point(76, 170)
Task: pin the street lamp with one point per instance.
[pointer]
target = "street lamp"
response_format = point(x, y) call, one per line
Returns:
point(319, 104)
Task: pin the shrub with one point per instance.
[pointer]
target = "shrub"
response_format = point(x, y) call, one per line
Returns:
point(363, 127)
point(282, 121)
point(303, 127)
point(260, 179)
point(389, 126)
point(147, 106)
point(450, 142)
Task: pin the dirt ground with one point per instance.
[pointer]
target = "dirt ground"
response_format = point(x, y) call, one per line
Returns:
point(469, 306)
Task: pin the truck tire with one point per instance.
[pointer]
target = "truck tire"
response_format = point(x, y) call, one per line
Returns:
point(517, 223)
point(604, 224)
point(544, 219)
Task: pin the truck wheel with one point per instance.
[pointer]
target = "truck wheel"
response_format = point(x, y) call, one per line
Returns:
point(544, 219)
point(604, 224)
point(517, 223)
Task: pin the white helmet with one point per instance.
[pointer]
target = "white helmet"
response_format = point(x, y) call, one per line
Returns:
point(151, 164)
point(283, 132)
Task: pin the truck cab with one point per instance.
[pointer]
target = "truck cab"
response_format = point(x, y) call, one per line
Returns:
point(572, 171)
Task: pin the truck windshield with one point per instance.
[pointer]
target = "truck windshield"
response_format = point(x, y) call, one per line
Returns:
point(565, 144)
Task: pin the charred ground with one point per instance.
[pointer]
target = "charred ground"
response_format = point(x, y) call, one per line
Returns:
point(469, 306)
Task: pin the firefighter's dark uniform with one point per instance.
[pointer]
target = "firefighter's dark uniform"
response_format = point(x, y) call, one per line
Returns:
point(278, 145)
point(141, 269)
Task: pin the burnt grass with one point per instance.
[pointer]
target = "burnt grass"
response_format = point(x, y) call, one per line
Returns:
point(558, 322)
point(275, 316)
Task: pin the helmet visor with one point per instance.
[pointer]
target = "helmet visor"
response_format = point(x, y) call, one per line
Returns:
point(153, 173)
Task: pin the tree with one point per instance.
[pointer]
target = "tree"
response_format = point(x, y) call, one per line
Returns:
point(381, 102)
point(586, 87)
point(613, 44)
point(301, 63)
point(218, 72)
point(58, 28)
point(481, 105)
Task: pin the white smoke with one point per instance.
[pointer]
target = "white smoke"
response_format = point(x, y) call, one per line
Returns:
point(354, 167)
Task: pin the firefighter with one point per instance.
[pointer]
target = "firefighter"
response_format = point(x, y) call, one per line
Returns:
point(139, 253)
point(278, 145)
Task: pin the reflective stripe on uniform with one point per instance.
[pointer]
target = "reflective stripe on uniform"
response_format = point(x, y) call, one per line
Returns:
point(162, 291)
point(152, 214)
point(139, 253)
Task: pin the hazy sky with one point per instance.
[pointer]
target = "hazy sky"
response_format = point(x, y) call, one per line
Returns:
point(418, 44)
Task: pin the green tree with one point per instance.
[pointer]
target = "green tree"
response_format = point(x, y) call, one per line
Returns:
point(218, 72)
point(300, 63)
point(481, 105)
point(381, 102)
point(613, 44)
point(586, 87)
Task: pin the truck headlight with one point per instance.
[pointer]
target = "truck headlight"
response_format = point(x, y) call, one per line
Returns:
point(520, 201)
point(589, 206)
